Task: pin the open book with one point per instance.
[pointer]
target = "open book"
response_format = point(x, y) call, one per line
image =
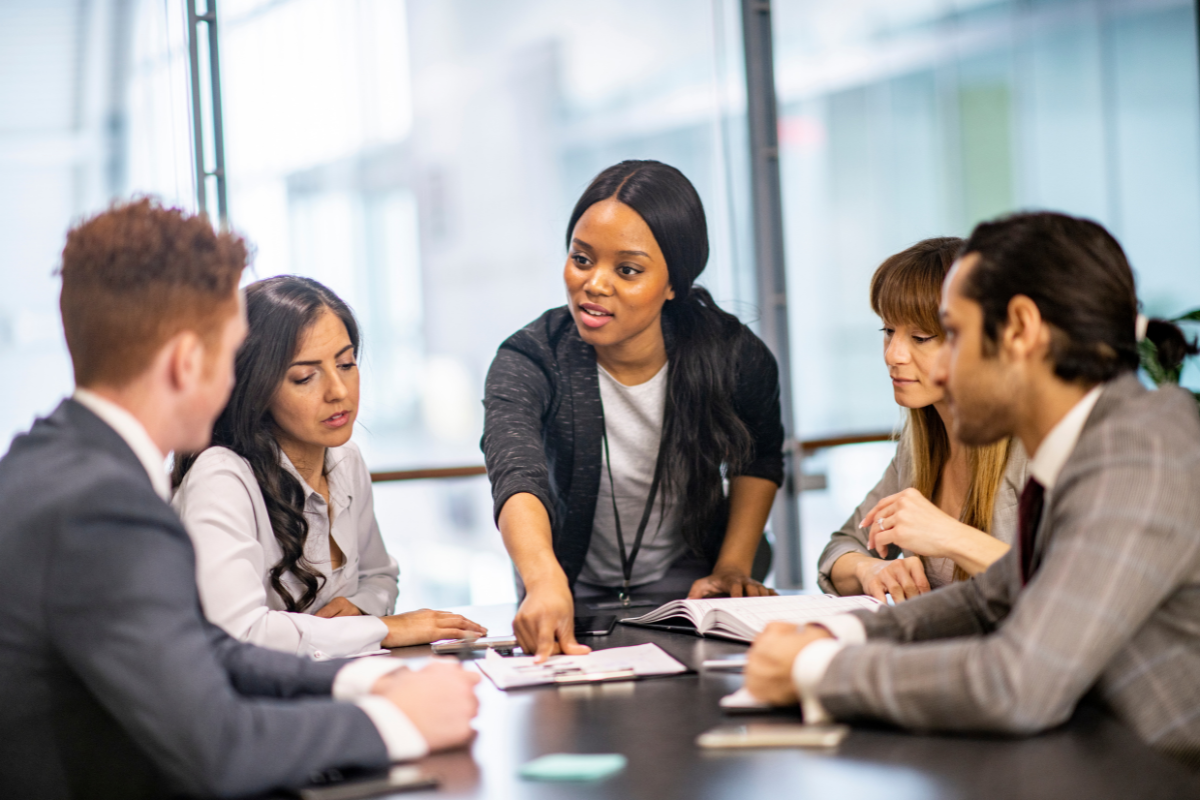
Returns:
point(742, 618)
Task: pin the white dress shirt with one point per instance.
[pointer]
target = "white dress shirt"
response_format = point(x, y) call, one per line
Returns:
point(809, 667)
point(127, 426)
point(1060, 442)
point(353, 682)
point(223, 509)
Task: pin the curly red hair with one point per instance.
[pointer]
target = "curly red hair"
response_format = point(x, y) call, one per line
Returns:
point(135, 276)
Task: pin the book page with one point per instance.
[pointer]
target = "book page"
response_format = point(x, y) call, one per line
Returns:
point(751, 614)
point(693, 610)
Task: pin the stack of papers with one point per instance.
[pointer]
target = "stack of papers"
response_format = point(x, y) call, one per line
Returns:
point(617, 663)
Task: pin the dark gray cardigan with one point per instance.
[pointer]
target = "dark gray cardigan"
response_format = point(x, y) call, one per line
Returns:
point(544, 425)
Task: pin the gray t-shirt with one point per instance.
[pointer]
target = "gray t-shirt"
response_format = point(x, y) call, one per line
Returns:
point(633, 418)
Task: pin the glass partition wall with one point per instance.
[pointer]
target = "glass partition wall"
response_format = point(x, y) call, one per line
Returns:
point(422, 157)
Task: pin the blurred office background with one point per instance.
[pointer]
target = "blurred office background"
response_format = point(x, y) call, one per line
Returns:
point(422, 157)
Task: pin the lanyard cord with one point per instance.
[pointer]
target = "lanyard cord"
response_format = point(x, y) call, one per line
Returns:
point(627, 560)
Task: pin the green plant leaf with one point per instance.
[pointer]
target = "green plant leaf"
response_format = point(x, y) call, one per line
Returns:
point(1148, 356)
point(1191, 316)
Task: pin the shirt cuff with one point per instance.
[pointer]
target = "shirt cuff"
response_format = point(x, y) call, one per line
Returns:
point(356, 678)
point(341, 637)
point(807, 671)
point(400, 736)
point(846, 628)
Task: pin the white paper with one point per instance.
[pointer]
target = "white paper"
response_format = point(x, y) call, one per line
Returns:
point(643, 660)
point(757, 612)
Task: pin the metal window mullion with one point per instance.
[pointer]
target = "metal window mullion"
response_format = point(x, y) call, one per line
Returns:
point(209, 20)
point(767, 202)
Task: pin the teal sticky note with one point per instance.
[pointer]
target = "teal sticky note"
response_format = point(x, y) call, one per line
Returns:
point(573, 767)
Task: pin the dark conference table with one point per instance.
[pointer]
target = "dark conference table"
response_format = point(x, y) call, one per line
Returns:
point(654, 723)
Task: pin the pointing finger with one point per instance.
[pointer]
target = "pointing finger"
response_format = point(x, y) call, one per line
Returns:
point(566, 638)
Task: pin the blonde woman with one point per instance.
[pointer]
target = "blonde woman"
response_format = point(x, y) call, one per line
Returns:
point(943, 511)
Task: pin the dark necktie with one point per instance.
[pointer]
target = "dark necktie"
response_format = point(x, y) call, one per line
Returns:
point(1029, 513)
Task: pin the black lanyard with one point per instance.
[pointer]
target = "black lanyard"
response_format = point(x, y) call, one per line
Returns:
point(627, 560)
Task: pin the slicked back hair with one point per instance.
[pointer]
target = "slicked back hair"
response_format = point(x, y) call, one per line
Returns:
point(1077, 275)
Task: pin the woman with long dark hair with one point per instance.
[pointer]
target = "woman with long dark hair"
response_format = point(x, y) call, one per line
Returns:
point(279, 507)
point(943, 511)
point(632, 437)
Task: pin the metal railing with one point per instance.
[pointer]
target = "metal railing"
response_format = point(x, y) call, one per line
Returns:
point(803, 448)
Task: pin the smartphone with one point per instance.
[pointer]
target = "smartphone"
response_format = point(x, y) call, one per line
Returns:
point(773, 735)
point(398, 779)
point(595, 626)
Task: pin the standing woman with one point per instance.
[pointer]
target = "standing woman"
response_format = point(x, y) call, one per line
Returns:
point(279, 507)
point(614, 424)
point(943, 511)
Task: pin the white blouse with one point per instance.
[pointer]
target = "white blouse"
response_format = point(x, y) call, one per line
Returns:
point(223, 510)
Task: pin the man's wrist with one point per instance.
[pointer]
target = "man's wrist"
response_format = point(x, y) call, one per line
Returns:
point(846, 628)
point(808, 669)
point(401, 737)
point(358, 678)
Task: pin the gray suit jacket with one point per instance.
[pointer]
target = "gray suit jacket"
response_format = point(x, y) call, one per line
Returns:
point(112, 684)
point(1113, 605)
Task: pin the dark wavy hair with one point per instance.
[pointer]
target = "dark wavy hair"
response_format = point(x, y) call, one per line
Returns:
point(702, 432)
point(279, 311)
point(1081, 281)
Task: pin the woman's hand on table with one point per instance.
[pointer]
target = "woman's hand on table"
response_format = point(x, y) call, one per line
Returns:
point(339, 607)
point(545, 622)
point(424, 626)
point(902, 578)
point(728, 582)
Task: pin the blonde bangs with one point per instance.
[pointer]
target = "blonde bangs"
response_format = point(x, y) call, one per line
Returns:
point(907, 294)
point(907, 287)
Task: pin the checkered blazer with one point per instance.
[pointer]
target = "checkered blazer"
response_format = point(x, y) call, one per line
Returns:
point(1112, 606)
